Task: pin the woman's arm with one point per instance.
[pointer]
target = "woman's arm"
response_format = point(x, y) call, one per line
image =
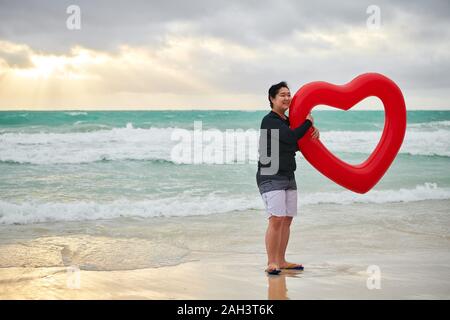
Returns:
point(286, 134)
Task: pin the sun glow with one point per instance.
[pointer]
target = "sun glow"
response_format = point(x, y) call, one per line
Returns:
point(43, 67)
point(73, 66)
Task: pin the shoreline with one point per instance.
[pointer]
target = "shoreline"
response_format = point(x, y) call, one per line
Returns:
point(219, 277)
point(223, 256)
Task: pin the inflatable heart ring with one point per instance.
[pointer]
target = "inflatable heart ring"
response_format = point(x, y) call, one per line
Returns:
point(362, 177)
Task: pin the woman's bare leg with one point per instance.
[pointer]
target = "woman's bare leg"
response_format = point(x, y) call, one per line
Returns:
point(273, 238)
point(285, 232)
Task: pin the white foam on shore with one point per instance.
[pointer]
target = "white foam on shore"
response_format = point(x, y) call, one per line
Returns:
point(129, 143)
point(36, 212)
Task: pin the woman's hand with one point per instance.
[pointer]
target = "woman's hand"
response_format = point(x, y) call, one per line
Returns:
point(315, 134)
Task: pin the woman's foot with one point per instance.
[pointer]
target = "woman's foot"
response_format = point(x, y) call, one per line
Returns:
point(292, 266)
point(273, 268)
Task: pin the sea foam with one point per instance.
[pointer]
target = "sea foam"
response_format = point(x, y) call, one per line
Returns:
point(129, 143)
point(37, 211)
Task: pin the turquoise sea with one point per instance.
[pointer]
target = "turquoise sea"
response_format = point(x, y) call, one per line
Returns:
point(88, 165)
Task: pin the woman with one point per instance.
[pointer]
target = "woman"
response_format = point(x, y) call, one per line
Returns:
point(278, 188)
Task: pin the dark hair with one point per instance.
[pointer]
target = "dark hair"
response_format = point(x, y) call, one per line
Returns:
point(273, 91)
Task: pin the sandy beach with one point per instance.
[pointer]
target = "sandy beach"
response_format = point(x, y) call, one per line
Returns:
point(223, 257)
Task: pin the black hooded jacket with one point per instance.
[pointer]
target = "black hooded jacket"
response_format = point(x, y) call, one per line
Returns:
point(287, 144)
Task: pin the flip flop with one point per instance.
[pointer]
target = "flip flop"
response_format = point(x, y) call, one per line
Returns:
point(294, 266)
point(273, 271)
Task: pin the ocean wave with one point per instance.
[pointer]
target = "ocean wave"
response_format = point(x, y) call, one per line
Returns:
point(84, 147)
point(37, 212)
point(129, 143)
point(443, 124)
point(76, 113)
point(427, 191)
point(427, 143)
point(104, 159)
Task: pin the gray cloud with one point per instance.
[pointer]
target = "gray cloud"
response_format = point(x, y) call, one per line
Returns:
point(418, 60)
point(19, 59)
point(106, 24)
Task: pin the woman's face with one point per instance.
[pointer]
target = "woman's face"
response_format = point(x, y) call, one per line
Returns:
point(282, 100)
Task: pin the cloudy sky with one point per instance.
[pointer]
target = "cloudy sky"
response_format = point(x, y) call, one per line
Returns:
point(215, 54)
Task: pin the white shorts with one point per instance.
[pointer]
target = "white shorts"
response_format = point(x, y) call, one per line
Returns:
point(280, 203)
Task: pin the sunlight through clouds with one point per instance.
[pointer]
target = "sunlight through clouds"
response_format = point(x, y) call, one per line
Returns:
point(214, 55)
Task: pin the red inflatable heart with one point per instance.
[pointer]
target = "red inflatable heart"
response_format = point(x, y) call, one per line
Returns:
point(362, 177)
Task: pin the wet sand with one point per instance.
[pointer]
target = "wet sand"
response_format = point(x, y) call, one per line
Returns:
point(339, 255)
point(225, 277)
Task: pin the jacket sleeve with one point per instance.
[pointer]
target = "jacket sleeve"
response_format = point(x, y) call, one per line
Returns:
point(286, 134)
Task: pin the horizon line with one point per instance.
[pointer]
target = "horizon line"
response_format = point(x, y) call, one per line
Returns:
point(208, 109)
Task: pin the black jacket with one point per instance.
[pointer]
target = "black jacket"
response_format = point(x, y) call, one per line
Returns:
point(287, 143)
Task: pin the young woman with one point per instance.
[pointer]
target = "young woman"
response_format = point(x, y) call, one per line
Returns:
point(279, 189)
